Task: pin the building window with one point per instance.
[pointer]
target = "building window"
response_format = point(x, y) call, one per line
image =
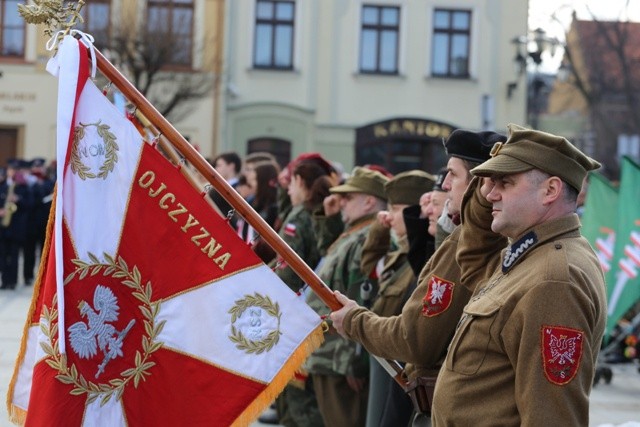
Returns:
point(11, 29)
point(273, 47)
point(96, 15)
point(379, 39)
point(170, 22)
point(451, 43)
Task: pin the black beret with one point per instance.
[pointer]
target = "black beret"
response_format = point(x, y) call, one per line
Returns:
point(472, 146)
point(37, 162)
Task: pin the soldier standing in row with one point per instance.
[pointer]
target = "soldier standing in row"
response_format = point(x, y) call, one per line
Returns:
point(525, 350)
point(388, 404)
point(340, 369)
point(421, 334)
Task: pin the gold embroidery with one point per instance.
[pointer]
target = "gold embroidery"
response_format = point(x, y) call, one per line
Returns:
point(242, 342)
point(116, 386)
point(109, 150)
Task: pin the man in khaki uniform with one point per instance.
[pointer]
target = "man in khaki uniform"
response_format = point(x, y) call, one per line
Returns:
point(388, 404)
point(340, 369)
point(420, 335)
point(525, 350)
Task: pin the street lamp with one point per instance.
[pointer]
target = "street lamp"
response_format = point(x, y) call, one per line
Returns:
point(530, 48)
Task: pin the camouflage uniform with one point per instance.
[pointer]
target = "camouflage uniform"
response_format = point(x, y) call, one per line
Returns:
point(326, 229)
point(338, 358)
point(297, 405)
point(297, 232)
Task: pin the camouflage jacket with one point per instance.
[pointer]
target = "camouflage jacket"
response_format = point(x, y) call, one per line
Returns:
point(298, 233)
point(340, 271)
point(326, 228)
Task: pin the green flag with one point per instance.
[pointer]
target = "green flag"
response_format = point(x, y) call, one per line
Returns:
point(600, 218)
point(623, 283)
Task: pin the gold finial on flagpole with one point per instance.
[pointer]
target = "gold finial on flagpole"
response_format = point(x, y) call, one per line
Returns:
point(54, 14)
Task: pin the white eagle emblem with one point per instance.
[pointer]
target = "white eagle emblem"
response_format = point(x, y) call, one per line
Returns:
point(85, 341)
point(562, 349)
point(437, 291)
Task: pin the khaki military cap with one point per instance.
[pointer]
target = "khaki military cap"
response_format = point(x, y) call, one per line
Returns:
point(528, 149)
point(407, 187)
point(363, 180)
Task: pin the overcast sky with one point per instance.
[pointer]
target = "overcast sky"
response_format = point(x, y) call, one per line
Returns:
point(554, 16)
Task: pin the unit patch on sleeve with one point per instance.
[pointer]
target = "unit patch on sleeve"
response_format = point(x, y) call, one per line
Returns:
point(438, 297)
point(561, 353)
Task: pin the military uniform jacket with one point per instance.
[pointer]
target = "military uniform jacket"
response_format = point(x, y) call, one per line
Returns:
point(340, 271)
point(395, 284)
point(525, 350)
point(327, 229)
point(421, 333)
point(298, 233)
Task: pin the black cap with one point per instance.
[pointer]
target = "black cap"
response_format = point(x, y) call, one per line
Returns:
point(13, 163)
point(38, 162)
point(472, 146)
point(440, 176)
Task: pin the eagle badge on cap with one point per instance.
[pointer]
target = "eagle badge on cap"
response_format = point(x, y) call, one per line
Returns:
point(438, 297)
point(561, 353)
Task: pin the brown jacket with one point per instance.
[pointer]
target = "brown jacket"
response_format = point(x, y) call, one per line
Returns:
point(421, 333)
point(524, 353)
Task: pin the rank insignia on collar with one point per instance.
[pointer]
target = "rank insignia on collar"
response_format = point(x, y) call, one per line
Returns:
point(517, 249)
point(438, 297)
point(561, 353)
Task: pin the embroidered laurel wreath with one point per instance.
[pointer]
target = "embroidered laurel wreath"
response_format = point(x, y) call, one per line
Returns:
point(69, 374)
point(242, 342)
point(110, 146)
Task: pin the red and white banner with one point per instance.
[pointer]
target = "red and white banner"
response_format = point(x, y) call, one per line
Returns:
point(167, 317)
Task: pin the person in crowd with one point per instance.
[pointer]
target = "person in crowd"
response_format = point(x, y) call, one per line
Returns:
point(433, 209)
point(420, 335)
point(42, 189)
point(525, 350)
point(388, 404)
point(309, 185)
point(16, 200)
point(339, 369)
point(252, 158)
point(228, 165)
point(284, 179)
point(263, 180)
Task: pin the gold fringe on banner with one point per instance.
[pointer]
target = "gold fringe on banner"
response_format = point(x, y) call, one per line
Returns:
point(251, 412)
point(18, 415)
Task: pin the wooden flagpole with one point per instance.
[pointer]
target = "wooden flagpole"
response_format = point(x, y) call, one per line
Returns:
point(239, 204)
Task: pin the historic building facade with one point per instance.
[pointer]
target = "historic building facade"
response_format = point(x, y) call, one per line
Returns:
point(368, 81)
point(28, 94)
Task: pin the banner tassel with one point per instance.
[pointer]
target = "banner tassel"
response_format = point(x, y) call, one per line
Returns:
point(18, 415)
point(253, 411)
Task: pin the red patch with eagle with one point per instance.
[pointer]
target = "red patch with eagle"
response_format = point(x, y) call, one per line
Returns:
point(438, 297)
point(561, 353)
